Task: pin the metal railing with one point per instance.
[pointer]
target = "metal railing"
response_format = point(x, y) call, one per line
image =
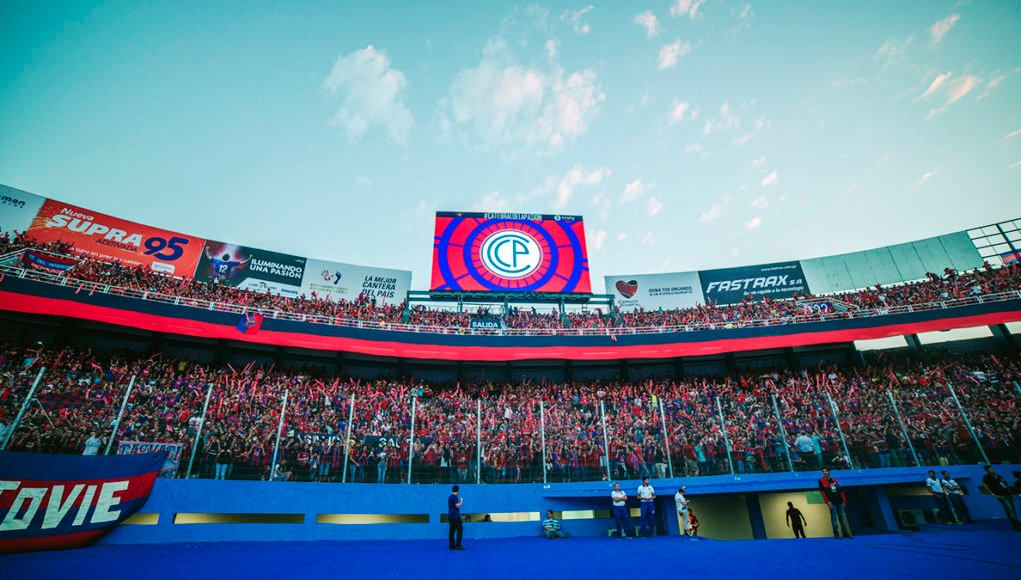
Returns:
point(92, 287)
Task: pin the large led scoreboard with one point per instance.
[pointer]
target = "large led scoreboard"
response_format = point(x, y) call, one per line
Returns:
point(510, 252)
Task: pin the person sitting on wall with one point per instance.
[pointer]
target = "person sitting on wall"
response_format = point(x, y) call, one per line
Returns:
point(280, 474)
point(551, 527)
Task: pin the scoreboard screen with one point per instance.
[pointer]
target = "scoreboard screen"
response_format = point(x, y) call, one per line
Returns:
point(510, 252)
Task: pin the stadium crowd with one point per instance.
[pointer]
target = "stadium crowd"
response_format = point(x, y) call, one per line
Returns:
point(935, 288)
point(78, 399)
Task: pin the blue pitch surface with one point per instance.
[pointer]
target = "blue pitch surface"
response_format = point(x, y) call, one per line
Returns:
point(951, 554)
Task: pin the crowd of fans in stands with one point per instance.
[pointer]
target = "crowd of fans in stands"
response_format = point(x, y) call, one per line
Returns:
point(935, 288)
point(80, 395)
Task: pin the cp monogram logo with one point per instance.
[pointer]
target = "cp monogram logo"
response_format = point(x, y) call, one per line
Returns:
point(511, 254)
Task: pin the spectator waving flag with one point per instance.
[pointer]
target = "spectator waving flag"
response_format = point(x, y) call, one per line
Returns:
point(250, 323)
point(54, 401)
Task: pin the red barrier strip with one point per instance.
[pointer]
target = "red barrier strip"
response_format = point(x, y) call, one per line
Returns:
point(182, 326)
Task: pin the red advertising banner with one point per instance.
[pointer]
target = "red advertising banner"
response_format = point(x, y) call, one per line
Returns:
point(102, 237)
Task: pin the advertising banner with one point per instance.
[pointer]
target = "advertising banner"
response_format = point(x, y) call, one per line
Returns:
point(251, 269)
point(655, 291)
point(50, 502)
point(779, 280)
point(102, 237)
point(171, 450)
point(17, 209)
point(510, 252)
point(337, 281)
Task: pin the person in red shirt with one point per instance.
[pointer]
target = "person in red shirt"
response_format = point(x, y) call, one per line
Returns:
point(836, 500)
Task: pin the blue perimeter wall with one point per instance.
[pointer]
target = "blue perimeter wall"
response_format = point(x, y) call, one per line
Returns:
point(867, 488)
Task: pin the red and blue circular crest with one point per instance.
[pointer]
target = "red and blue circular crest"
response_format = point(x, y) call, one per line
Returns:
point(472, 252)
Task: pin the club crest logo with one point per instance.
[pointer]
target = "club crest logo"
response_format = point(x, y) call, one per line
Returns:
point(511, 254)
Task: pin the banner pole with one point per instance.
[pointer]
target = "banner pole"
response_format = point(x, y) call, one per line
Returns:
point(840, 431)
point(280, 429)
point(971, 429)
point(606, 444)
point(783, 434)
point(726, 439)
point(24, 407)
point(120, 414)
point(542, 434)
point(411, 440)
point(347, 439)
point(198, 432)
point(902, 428)
point(45, 414)
point(666, 439)
point(478, 440)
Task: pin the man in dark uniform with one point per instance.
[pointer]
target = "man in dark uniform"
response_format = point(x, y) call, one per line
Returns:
point(997, 486)
point(454, 502)
point(796, 520)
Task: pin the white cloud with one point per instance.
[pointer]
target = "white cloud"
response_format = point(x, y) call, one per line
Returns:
point(770, 179)
point(648, 239)
point(695, 148)
point(597, 239)
point(760, 202)
point(925, 177)
point(552, 48)
point(743, 139)
point(892, 51)
point(491, 202)
point(995, 79)
point(577, 177)
point(654, 205)
point(753, 223)
point(746, 12)
point(962, 87)
point(687, 8)
point(955, 91)
point(632, 191)
point(621, 236)
point(371, 94)
point(934, 85)
point(574, 18)
point(1015, 164)
point(648, 21)
point(671, 53)
point(715, 210)
point(849, 82)
point(1012, 134)
point(521, 109)
point(678, 110)
point(727, 121)
point(758, 161)
point(941, 28)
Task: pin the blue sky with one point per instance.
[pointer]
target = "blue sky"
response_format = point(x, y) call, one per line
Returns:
point(689, 134)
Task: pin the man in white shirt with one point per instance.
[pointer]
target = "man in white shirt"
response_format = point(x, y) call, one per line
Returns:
point(682, 510)
point(647, 497)
point(806, 449)
point(955, 495)
point(620, 515)
point(936, 489)
point(92, 445)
